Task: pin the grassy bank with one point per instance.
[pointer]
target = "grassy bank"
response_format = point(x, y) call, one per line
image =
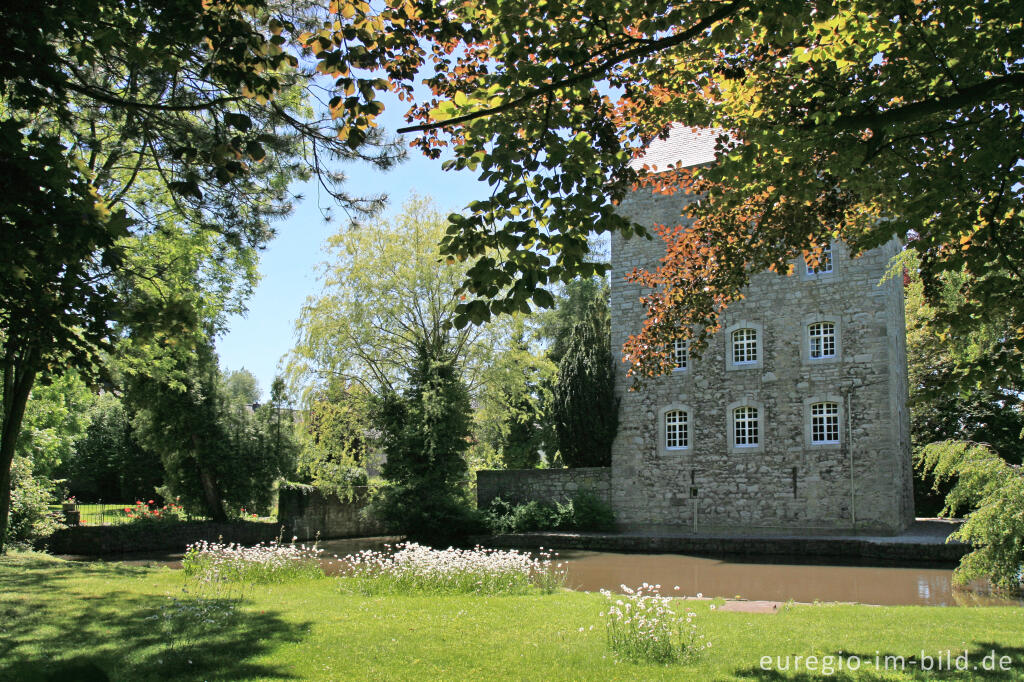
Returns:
point(64, 619)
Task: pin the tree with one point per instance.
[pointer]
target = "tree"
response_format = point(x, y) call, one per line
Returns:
point(511, 421)
point(217, 457)
point(55, 423)
point(582, 299)
point(992, 491)
point(109, 464)
point(57, 418)
point(241, 387)
point(585, 408)
point(116, 117)
point(334, 439)
point(942, 406)
point(425, 431)
point(385, 295)
point(862, 121)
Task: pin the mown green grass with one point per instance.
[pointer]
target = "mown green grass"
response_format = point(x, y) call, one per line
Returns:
point(63, 620)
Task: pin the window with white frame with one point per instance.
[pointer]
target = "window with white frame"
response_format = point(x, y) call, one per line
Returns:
point(677, 430)
point(680, 353)
point(824, 423)
point(824, 263)
point(821, 337)
point(746, 427)
point(744, 346)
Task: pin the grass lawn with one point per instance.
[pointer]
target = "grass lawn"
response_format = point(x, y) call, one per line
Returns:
point(59, 620)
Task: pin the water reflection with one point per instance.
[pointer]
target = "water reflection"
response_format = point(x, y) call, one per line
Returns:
point(775, 581)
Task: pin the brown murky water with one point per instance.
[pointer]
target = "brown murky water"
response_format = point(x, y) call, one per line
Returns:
point(774, 581)
point(731, 577)
point(593, 571)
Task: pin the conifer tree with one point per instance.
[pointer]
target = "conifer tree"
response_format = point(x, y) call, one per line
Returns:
point(585, 408)
point(425, 438)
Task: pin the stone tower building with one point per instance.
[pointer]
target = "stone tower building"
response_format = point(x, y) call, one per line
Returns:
point(795, 417)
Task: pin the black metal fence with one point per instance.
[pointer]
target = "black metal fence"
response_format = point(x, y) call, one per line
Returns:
point(111, 514)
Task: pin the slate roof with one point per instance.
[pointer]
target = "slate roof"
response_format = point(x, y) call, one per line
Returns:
point(684, 145)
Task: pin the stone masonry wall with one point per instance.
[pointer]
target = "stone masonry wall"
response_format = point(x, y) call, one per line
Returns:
point(308, 512)
point(543, 485)
point(164, 537)
point(862, 483)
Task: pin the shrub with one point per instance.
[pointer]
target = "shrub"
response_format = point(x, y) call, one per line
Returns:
point(642, 626)
point(31, 496)
point(413, 568)
point(590, 513)
point(214, 562)
point(583, 512)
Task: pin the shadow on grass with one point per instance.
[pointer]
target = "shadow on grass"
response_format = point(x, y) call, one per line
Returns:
point(55, 623)
point(983, 661)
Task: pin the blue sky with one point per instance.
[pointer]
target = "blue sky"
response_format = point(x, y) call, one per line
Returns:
point(257, 340)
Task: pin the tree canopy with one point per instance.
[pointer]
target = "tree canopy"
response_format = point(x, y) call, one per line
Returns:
point(864, 120)
point(128, 124)
point(386, 294)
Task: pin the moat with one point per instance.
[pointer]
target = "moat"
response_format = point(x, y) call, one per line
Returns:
point(775, 578)
point(786, 579)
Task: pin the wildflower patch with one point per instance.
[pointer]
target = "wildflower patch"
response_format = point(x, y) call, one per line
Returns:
point(414, 568)
point(645, 627)
point(273, 562)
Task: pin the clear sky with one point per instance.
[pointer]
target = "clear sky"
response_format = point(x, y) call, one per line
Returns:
point(258, 340)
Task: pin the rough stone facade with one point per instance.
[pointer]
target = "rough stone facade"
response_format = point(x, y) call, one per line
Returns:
point(311, 513)
point(542, 485)
point(786, 483)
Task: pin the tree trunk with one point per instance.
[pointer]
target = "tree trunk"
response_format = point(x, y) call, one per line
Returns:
point(19, 373)
point(211, 494)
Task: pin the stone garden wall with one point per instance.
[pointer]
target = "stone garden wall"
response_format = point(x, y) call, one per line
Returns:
point(302, 511)
point(306, 511)
point(156, 537)
point(543, 485)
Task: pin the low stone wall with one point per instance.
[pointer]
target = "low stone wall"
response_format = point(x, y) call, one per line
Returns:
point(163, 537)
point(543, 485)
point(307, 512)
point(303, 512)
point(809, 548)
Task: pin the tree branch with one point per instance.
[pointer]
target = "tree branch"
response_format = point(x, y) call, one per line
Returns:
point(642, 51)
point(113, 100)
point(962, 97)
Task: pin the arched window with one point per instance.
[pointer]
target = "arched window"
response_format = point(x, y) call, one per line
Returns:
point(744, 346)
point(680, 353)
point(677, 430)
point(746, 427)
point(824, 423)
point(821, 337)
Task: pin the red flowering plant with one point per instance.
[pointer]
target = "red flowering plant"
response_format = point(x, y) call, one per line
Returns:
point(247, 515)
point(149, 512)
